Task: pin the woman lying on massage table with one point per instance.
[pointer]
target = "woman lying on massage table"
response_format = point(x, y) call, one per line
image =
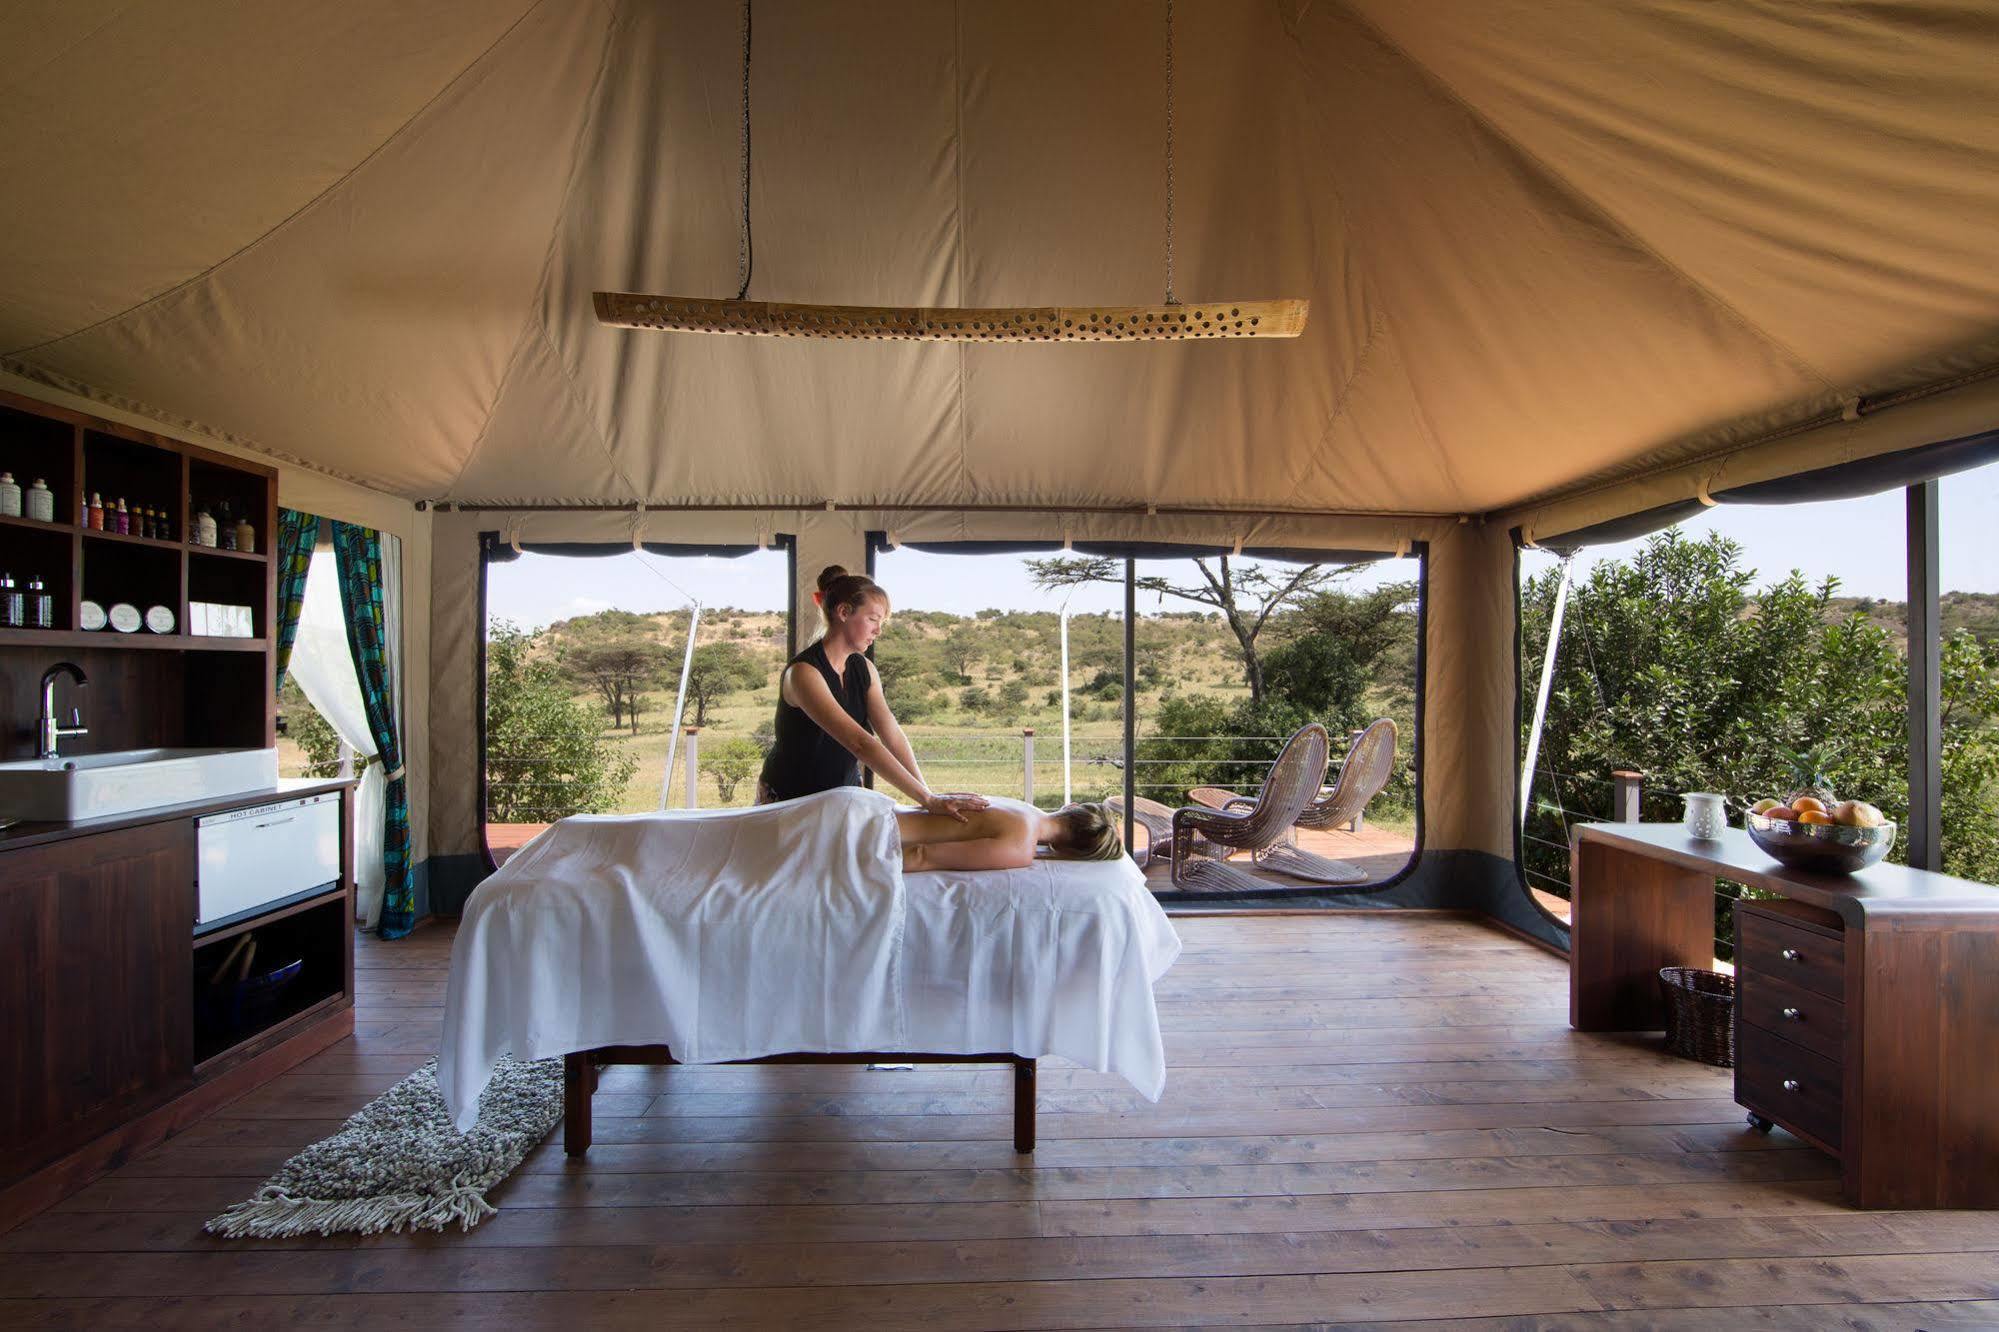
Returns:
point(1005, 837)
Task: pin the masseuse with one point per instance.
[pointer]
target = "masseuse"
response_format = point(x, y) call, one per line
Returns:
point(831, 715)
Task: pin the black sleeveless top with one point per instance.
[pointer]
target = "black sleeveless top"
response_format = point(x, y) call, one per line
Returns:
point(804, 760)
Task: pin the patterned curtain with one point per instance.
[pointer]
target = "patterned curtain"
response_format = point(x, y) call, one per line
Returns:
point(357, 554)
point(297, 534)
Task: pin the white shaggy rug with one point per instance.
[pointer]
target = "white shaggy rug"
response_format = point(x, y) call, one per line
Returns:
point(398, 1162)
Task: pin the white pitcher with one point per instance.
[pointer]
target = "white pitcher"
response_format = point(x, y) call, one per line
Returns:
point(1706, 816)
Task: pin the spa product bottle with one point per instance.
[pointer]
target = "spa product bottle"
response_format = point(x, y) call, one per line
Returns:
point(246, 535)
point(41, 607)
point(10, 496)
point(124, 527)
point(10, 603)
point(204, 527)
point(225, 526)
point(162, 526)
point(41, 502)
point(96, 519)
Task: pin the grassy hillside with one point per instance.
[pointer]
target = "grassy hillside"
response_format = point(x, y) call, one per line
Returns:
point(965, 688)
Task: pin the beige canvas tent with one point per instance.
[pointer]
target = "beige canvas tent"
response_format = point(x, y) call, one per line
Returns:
point(1568, 262)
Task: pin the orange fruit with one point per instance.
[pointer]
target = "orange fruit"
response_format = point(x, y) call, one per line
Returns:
point(1814, 816)
point(1803, 803)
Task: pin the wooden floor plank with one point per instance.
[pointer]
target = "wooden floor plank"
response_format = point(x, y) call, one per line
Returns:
point(1371, 1120)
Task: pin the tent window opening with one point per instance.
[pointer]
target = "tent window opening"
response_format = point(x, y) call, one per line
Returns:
point(623, 680)
point(1758, 650)
point(1009, 669)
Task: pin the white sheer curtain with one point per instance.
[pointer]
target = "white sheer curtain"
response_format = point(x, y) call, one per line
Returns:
point(324, 668)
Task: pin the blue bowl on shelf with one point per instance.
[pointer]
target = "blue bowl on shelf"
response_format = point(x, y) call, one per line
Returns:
point(1827, 848)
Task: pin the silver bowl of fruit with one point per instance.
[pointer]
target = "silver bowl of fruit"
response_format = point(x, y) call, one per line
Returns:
point(1831, 838)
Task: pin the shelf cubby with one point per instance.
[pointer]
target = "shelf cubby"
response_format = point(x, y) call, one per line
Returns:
point(33, 446)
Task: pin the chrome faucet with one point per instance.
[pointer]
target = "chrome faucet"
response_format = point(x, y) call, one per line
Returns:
point(53, 731)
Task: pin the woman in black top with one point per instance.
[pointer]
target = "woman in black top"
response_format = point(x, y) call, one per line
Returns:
point(831, 716)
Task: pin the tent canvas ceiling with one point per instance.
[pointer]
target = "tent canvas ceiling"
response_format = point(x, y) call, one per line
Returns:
point(1548, 244)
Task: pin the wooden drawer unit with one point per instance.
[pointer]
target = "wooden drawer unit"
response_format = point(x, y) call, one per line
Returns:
point(1788, 1084)
point(1791, 1013)
point(1777, 939)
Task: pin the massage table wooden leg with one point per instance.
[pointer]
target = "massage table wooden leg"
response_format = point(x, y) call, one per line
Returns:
point(1023, 1105)
point(579, 1080)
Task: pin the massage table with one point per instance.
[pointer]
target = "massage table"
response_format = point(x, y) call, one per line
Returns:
point(790, 935)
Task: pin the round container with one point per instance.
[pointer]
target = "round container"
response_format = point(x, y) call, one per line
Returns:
point(90, 615)
point(1706, 816)
point(125, 617)
point(1829, 848)
point(159, 619)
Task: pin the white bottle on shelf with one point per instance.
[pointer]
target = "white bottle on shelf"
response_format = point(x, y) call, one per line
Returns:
point(204, 527)
point(41, 502)
point(10, 496)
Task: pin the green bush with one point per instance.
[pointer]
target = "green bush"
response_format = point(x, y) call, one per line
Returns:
point(730, 763)
point(545, 755)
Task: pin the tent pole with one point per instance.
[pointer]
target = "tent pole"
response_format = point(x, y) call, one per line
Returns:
point(1130, 700)
point(1925, 847)
point(1547, 680)
point(1068, 796)
point(679, 704)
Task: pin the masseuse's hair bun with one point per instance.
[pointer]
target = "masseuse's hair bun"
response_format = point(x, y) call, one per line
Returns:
point(829, 574)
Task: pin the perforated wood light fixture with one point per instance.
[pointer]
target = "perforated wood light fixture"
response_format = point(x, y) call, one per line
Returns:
point(1042, 323)
point(1170, 322)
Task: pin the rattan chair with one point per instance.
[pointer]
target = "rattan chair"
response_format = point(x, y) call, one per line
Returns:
point(1294, 779)
point(1369, 763)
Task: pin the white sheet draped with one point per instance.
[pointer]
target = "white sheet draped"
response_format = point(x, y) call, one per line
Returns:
point(789, 928)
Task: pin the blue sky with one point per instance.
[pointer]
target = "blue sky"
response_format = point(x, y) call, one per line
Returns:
point(1858, 541)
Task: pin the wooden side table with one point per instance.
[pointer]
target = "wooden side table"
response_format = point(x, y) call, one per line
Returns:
point(1906, 1089)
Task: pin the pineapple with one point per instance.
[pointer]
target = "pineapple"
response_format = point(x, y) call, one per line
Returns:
point(1808, 774)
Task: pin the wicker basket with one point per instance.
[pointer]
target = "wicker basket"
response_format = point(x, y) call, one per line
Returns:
point(1700, 1014)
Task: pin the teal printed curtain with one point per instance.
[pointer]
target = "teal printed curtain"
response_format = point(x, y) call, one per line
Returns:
point(357, 557)
point(297, 534)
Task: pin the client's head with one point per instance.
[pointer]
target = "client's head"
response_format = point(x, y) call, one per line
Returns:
point(847, 599)
point(1085, 832)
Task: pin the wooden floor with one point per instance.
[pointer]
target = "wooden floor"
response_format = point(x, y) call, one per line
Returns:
point(1370, 1120)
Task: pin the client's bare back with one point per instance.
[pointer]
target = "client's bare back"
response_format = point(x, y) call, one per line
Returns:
point(992, 838)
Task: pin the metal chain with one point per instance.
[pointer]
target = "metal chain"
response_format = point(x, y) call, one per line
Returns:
point(1171, 299)
point(745, 251)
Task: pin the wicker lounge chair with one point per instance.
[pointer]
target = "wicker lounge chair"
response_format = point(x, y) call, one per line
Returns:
point(1369, 763)
point(1293, 780)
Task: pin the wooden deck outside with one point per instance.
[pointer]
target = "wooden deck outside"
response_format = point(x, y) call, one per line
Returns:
point(1371, 1119)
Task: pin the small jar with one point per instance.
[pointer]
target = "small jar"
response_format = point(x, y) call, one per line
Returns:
point(204, 528)
point(12, 612)
point(41, 607)
point(41, 502)
point(246, 536)
point(10, 496)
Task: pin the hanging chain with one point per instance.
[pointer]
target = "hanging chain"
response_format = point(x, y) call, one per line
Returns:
point(1171, 299)
point(745, 251)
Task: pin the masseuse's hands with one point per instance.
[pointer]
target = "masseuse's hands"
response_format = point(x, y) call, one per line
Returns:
point(954, 804)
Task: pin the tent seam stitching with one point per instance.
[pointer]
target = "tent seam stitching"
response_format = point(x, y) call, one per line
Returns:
point(1602, 213)
point(537, 298)
point(309, 206)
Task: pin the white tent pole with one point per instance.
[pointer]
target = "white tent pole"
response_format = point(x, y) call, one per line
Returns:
point(1547, 680)
point(1067, 795)
point(679, 703)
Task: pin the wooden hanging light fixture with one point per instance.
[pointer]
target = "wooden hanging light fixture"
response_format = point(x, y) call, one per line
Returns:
point(1172, 321)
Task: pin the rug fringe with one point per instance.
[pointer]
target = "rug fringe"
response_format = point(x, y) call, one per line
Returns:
point(279, 1216)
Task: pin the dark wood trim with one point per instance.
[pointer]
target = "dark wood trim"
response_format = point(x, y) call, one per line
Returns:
point(207, 937)
point(579, 1080)
point(290, 788)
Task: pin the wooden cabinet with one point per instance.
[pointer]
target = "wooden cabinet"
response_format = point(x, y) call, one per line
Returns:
point(1867, 1005)
point(94, 986)
point(113, 1031)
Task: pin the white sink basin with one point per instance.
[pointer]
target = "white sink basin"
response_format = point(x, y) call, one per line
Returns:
point(90, 786)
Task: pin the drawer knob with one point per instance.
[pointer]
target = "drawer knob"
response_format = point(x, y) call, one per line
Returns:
point(1790, 1084)
point(1793, 1015)
point(1792, 955)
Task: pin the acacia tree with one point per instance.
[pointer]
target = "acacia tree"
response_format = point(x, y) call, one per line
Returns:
point(1247, 595)
point(620, 670)
point(718, 670)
